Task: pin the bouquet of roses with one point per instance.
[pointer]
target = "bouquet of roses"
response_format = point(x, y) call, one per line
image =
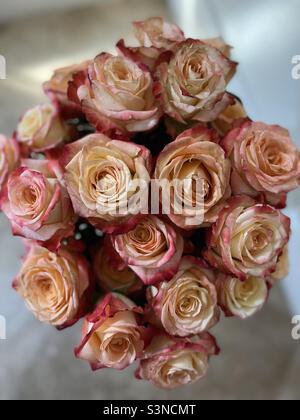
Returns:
point(149, 203)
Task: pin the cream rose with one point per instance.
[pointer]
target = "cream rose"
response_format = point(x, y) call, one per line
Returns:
point(192, 86)
point(197, 172)
point(187, 305)
point(264, 159)
point(37, 203)
point(55, 286)
point(9, 158)
point(120, 96)
point(41, 128)
point(106, 180)
point(156, 32)
point(153, 250)
point(282, 268)
point(170, 363)
point(111, 278)
point(57, 88)
point(229, 117)
point(155, 36)
point(241, 298)
point(247, 239)
point(111, 336)
point(220, 45)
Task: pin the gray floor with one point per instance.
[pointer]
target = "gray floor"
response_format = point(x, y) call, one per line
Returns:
point(259, 359)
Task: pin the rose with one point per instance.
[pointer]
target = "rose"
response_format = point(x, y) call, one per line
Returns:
point(37, 204)
point(241, 298)
point(146, 56)
point(282, 268)
point(229, 117)
point(192, 85)
point(57, 88)
point(41, 128)
point(155, 36)
point(220, 45)
point(120, 96)
point(170, 362)
point(55, 286)
point(9, 158)
point(264, 160)
point(187, 305)
point(110, 278)
point(106, 180)
point(247, 239)
point(112, 336)
point(196, 166)
point(156, 32)
point(153, 249)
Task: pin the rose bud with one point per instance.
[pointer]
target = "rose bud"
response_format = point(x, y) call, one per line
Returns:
point(57, 88)
point(265, 161)
point(192, 86)
point(170, 362)
point(9, 158)
point(107, 180)
point(229, 117)
point(187, 305)
point(120, 96)
point(241, 298)
point(282, 268)
point(37, 204)
point(155, 36)
point(247, 239)
point(153, 250)
point(112, 279)
point(55, 286)
point(112, 336)
point(199, 172)
point(41, 129)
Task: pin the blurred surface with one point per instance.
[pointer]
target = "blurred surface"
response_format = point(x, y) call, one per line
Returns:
point(259, 359)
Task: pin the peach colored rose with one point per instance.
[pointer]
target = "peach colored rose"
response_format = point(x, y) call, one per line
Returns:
point(247, 239)
point(187, 305)
point(155, 36)
point(120, 96)
point(264, 159)
point(153, 250)
point(9, 158)
point(170, 362)
point(220, 44)
point(241, 298)
point(111, 335)
point(156, 32)
point(55, 286)
point(57, 88)
point(230, 116)
point(37, 204)
point(147, 56)
point(192, 85)
point(41, 128)
point(104, 178)
point(196, 160)
point(282, 268)
point(112, 279)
